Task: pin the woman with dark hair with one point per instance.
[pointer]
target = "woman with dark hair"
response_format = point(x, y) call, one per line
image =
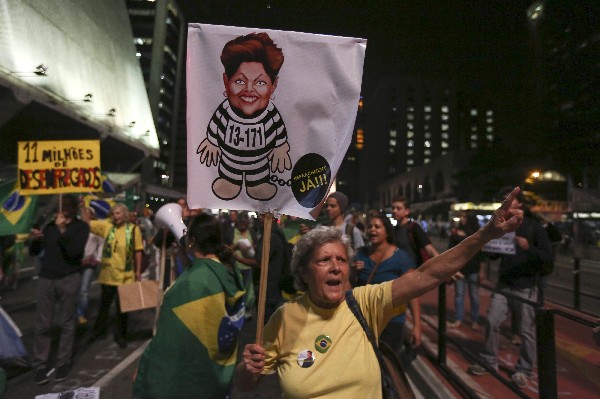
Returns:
point(246, 133)
point(382, 261)
point(469, 274)
point(194, 351)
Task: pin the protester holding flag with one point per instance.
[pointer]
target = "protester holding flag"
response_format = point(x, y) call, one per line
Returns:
point(63, 242)
point(121, 264)
point(320, 321)
point(194, 351)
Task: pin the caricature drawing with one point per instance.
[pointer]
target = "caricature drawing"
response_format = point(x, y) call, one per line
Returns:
point(246, 132)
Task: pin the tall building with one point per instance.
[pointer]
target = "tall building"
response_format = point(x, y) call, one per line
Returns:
point(565, 54)
point(159, 34)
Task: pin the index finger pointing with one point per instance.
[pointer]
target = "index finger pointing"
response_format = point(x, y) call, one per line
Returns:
point(509, 198)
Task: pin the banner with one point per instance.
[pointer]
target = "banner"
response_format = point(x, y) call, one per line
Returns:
point(504, 245)
point(270, 116)
point(17, 211)
point(54, 167)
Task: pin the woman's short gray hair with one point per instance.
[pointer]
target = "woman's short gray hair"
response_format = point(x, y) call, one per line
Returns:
point(306, 246)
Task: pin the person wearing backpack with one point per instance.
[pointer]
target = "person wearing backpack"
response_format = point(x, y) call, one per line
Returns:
point(409, 235)
point(518, 276)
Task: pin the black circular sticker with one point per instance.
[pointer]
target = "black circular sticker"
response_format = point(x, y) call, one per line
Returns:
point(311, 176)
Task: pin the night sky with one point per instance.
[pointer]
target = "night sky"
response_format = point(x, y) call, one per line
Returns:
point(481, 44)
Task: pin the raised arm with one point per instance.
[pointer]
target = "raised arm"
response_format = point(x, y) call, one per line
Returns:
point(442, 267)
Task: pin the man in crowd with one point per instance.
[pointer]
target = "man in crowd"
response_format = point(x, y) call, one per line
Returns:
point(518, 276)
point(335, 208)
point(63, 242)
point(408, 235)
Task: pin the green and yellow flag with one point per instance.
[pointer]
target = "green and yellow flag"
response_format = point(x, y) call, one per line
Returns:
point(16, 211)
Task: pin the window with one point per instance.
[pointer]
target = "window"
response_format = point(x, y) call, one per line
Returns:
point(427, 143)
point(410, 125)
point(427, 108)
point(410, 161)
point(473, 144)
point(392, 150)
point(489, 112)
point(410, 134)
point(410, 143)
point(427, 135)
point(426, 160)
point(473, 137)
point(427, 152)
point(444, 117)
point(445, 136)
point(489, 129)
point(490, 120)
point(410, 117)
point(410, 109)
point(427, 117)
point(393, 133)
point(393, 142)
point(444, 108)
point(473, 112)
point(445, 126)
point(445, 144)
point(490, 137)
point(474, 128)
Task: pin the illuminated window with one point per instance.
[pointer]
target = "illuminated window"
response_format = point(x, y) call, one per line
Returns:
point(410, 143)
point(489, 129)
point(393, 133)
point(474, 144)
point(473, 137)
point(427, 152)
point(426, 126)
point(489, 120)
point(392, 150)
point(410, 152)
point(427, 108)
point(474, 128)
point(427, 143)
point(410, 109)
point(444, 117)
point(360, 104)
point(360, 139)
point(427, 135)
point(427, 117)
point(393, 142)
point(473, 112)
point(445, 126)
point(489, 112)
point(426, 160)
point(410, 161)
point(410, 125)
point(394, 109)
point(490, 137)
point(444, 108)
point(445, 144)
point(410, 117)
point(410, 134)
point(445, 136)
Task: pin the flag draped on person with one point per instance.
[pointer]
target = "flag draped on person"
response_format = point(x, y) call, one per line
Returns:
point(16, 211)
point(200, 320)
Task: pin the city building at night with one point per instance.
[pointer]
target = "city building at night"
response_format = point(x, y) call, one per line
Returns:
point(69, 73)
point(159, 34)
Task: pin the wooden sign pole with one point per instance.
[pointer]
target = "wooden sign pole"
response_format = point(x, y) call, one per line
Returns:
point(264, 272)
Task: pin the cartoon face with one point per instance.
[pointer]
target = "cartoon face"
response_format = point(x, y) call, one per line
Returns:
point(249, 88)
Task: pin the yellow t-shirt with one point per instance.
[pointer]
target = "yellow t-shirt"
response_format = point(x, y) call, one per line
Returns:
point(113, 267)
point(348, 367)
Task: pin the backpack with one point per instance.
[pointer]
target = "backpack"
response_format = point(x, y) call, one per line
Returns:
point(420, 253)
point(544, 268)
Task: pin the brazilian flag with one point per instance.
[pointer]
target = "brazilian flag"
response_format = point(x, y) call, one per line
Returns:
point(16, 211)
point(194, 351)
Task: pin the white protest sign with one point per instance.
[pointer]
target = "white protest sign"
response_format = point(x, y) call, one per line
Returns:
point(504, 245)
point(270, 116)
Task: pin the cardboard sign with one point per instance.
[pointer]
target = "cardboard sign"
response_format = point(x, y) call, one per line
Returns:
point(54, 167)
point(504, 245)
point(139, 295)
point(270, 116)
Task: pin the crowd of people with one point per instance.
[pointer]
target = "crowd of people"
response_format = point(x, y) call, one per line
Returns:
point(214, 280)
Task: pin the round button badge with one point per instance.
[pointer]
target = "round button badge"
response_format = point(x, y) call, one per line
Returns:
point(306, 358)
point(322, 343)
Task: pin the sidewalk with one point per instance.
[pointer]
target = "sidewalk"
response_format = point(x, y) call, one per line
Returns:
point(577, 357)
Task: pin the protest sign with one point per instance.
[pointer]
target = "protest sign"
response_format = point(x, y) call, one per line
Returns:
point(270, 116)
point(57, 167)
point(504, 245)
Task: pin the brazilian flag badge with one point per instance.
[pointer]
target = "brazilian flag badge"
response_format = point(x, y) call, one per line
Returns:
point(322, 343)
